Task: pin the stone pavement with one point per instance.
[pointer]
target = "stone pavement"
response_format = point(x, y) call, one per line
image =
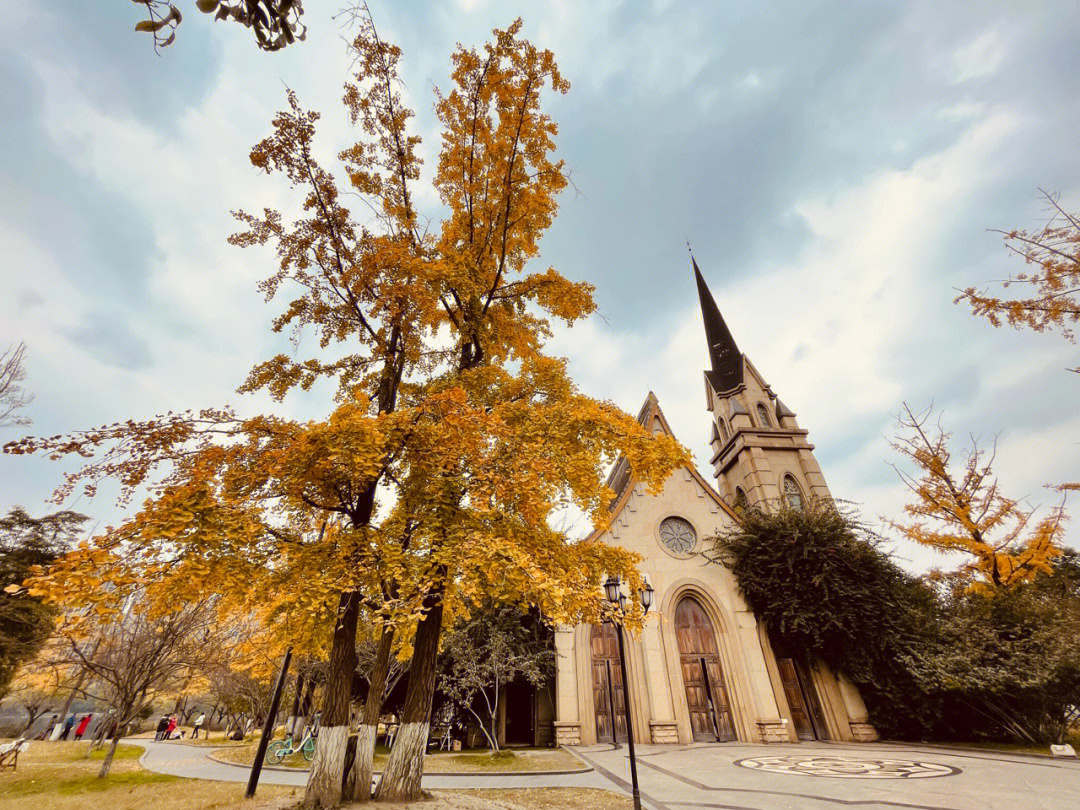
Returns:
point(193, 761)
point(824, 776)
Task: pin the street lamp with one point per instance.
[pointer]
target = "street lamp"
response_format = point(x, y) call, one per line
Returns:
point(613, 591)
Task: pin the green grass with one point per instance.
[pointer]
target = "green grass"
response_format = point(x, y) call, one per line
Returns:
point(62, 769)
point(63, 785)
point(57, 776)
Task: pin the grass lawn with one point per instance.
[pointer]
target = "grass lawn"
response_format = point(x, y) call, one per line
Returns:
point(56, 776)
point(443, 761)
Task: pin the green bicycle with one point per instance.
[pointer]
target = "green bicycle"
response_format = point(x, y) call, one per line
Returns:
point(277, 751)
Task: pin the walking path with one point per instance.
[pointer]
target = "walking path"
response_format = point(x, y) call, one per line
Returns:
point(193, 761)
point(739, 776)
point(824, 776)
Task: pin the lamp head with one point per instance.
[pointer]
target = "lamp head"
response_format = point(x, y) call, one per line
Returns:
point(646, 597)
point(611, 589)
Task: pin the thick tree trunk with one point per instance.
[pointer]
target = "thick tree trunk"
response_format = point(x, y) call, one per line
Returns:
point(109, 756)
point(327, 771)
point(401, 779)
point(363, 765)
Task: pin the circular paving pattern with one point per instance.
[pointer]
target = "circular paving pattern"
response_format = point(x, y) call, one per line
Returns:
point(844, 768)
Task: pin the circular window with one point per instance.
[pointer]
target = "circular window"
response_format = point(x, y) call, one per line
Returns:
point(678, 535)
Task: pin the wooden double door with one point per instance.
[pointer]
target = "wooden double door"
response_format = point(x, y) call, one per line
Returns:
point(806, 714)
point(706, 695)
point(608, 689)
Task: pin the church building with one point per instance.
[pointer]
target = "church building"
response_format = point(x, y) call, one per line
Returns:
point(704, 668)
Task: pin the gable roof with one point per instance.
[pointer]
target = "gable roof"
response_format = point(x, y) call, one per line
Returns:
point(621, 479)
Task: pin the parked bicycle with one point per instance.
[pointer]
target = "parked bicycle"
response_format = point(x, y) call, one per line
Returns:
point(277, 751)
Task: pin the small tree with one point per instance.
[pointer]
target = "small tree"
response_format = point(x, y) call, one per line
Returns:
point(26, 542)
point(13, 396)
point(481, 655)
point(38, 692)
point(964, 510)
point(133, 657)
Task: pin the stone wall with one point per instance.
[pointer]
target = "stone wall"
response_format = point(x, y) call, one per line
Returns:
point(773, 731)
point(664, 732)
point(567, 733)
point(863, 732)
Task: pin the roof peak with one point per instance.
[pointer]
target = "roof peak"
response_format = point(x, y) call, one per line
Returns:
point(724, 354)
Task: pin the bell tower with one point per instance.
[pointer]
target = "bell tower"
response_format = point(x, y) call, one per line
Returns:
point(759, 452)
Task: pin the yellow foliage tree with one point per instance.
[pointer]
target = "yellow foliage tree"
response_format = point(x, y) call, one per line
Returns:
point(1053, 284)
point(445, 402)
point(964, 511)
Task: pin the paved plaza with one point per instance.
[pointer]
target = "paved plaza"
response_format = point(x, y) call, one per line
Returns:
point(823, 776)
point(737, 776)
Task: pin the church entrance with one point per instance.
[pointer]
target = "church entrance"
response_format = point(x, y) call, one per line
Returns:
point(806, 714)
point(608, 700)
point(706, 696)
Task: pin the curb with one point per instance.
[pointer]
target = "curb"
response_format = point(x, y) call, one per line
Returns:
point(496, 774)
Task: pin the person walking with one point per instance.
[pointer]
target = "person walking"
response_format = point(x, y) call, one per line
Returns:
point(49, 728)
point(198, 725)
point(68, 725)
point(81, 729)
point(162, 724)
point(171, 727)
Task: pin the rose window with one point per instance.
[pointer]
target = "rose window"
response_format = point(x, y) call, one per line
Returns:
point(678, 535)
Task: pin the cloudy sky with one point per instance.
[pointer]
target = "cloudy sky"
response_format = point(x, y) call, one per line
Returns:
point(837, 169)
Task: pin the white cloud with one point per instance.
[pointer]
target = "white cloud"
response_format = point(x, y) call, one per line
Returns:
point(981, 57)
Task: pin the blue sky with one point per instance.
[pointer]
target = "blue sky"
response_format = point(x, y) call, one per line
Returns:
point(837, 168)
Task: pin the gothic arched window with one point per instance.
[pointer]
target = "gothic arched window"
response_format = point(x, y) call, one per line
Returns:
point(740, 498)
point(763, 415)
point(792, 494)
point(723, 429)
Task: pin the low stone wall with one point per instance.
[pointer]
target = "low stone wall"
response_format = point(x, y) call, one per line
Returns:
point(773, 731)
point(863, 732)
point(664, 732)
point(567, 733)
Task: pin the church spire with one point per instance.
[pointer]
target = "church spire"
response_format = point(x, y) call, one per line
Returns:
point(727, 365)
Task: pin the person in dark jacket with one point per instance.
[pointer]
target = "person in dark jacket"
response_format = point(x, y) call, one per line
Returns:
point(162, 724)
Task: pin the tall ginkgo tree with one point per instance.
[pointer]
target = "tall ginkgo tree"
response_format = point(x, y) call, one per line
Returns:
point(452, 439)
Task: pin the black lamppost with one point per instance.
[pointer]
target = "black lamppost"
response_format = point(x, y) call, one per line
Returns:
point(613, 591)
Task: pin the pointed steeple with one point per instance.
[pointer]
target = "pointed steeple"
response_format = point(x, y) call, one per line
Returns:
point(727, 365)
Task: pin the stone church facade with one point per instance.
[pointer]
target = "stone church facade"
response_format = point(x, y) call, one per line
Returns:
point(704, 668)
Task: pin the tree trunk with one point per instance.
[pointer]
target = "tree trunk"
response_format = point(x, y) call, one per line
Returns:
point(290, 725)
point(305, 707)
point(363, 765)
point(327, 771)
point(401, 779)
point(109, 756)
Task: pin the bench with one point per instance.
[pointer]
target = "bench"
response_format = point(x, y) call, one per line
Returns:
point(9, 753)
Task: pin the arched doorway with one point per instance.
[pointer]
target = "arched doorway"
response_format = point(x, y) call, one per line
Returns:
point(607, 685)
point(706, 696)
